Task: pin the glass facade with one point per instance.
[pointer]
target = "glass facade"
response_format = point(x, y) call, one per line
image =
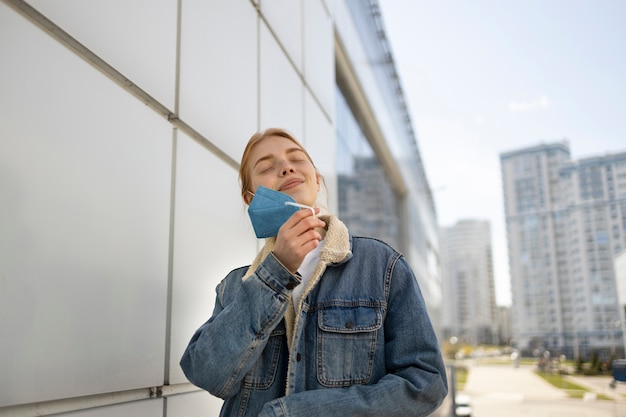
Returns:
point(377, 150)
point(366, 201)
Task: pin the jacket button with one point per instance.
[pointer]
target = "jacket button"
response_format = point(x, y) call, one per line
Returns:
point(298, 357)
point(290, 285)
point(350, 325)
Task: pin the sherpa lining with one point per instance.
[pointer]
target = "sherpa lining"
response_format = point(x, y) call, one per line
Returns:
point(336, 249)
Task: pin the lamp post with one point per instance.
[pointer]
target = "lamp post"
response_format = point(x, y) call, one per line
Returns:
point(576, 351)
point(611, 337)
point(617, 325)
point(453, 341)
point(622, 315)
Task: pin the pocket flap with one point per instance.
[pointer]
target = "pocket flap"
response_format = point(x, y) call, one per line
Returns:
point(353, 319)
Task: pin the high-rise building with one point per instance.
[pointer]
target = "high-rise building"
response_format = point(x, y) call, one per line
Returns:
point(565, 222)
point(468, 284)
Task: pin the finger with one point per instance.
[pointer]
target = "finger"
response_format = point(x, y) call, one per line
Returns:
point(308, 224)
point(299, 216)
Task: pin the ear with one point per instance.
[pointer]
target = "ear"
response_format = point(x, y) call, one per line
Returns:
point(247, 196)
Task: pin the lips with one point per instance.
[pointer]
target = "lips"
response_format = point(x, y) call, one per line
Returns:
point(290, 184)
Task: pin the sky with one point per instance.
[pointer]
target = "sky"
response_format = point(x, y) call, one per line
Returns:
point(483, 77)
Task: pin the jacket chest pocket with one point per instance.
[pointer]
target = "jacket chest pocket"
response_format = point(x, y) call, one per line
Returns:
point(263, 373)
point(346, 344)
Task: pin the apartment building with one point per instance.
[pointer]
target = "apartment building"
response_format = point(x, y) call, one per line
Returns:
point(566, 220)
point(468, 282)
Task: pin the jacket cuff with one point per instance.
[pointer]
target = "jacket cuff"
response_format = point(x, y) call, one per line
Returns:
point(275, 275)
point(273, 409)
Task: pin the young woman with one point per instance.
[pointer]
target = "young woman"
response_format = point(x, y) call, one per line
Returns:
point(321, 323)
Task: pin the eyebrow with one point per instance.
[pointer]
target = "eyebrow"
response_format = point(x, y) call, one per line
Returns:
point(270, 156)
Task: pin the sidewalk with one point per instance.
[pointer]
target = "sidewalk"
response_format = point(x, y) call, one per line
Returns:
point(518, 392)
point(509, 382)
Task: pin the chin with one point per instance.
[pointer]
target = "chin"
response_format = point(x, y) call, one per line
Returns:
point(302, 196)
point(302, 200)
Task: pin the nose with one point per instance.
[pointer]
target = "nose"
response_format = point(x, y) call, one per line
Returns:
point(286, 168)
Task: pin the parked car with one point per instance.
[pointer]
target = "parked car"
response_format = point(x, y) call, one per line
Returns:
point(463, 406)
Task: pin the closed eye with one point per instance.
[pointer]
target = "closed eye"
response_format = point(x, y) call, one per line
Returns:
point(266, 168)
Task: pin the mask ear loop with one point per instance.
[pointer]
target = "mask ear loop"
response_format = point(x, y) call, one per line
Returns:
point(291, 203)
point(252, 194)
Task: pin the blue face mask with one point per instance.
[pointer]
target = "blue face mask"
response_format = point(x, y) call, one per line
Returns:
point(270, 209)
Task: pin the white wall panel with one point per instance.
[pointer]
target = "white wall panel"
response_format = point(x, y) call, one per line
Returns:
point(213, 236)
point(319, 140)
point(331, 6)
point(219, 71)
point(136, 37)
point(198, 404)
point(281, 88)
point(319, 57)
point(285, 19)
point(84, 214)
point(145, 408)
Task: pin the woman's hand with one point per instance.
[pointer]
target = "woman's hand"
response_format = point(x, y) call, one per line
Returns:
point(297, 237)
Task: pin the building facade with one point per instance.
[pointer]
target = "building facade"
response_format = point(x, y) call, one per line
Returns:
point(468, 283)
point(123, 124)
point(565, 222)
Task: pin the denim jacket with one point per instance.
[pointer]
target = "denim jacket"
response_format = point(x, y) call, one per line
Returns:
point(361, 343)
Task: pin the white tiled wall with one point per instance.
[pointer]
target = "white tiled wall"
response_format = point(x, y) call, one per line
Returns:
point(219, 93)
point(280, 87)
point(212, 236)
point(319, 67)
point(86, 176)
point(136, 37)
point(320, 143)
point(148, 408)
point(284, 17)
point(199, 404)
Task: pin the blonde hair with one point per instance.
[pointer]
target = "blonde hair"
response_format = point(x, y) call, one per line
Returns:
point(244, 166)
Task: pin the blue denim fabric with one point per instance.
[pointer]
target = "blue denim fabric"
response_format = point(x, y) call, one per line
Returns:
point(364, 345)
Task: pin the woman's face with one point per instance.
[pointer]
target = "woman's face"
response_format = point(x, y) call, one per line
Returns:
point(278, 163)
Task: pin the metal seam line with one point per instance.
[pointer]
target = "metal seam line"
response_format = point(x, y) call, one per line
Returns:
point(291, 62)
point(173, 179)
point(45, 408)
point(82, 51)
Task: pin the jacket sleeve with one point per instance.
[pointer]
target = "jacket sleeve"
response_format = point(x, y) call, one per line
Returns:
point(415, 384)
point(226, 347)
